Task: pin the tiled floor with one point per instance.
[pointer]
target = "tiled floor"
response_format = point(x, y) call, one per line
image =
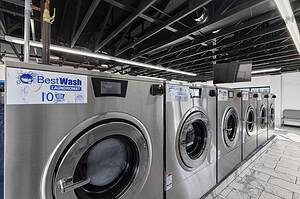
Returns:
point(274, 174)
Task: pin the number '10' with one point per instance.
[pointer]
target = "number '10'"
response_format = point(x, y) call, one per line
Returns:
point(49, 97)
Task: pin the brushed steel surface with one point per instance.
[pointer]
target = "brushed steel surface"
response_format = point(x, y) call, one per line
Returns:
point(262, 133)
point(249, 142)
point(34, 133)
point(190, 183)
point(229, 156)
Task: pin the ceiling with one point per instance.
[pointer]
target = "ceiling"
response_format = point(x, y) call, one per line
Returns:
point(188, 35)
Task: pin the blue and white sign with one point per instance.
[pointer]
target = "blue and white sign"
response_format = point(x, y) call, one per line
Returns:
point(41, 87)
point(177, 93)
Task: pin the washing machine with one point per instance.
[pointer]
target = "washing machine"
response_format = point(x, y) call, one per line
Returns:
point(271, 115)
point(261, 122)
point(229, 134)
point(249, 129)
point(1, 143)
point(78, 134)
point(190, 140)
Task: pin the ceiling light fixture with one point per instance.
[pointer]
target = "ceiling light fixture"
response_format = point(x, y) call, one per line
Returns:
point(153, 78)
point(269, 70)
point(286, 11)
point(96, 55)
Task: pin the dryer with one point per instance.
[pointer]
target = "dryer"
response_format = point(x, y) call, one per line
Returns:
point(77, 134)
point(271, 115)
point(249, 129)
point(190, 140)
point(229, 135)
point(262, 115)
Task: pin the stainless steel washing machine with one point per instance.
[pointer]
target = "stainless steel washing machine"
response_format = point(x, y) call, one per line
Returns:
point(262, 112)
point(78, 134)
point(1, 144)
point(229, 134)
point(271, 115)
point(190, 140)
point(249, 128)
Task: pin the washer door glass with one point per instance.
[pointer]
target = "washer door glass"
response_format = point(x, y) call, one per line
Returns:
point(109, 165)
point(263, 117)
point(230, 127)
point(194, 140)
point(107, 161)
point(250, 120)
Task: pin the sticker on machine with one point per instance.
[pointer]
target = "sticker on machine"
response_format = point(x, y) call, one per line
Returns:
point(259, 96)
point(40, 87)
point(245, 96)
point(177, 93)
point(168, 181)
point(222, 95)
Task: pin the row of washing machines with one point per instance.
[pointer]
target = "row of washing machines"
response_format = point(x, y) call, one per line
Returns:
point(133, 138)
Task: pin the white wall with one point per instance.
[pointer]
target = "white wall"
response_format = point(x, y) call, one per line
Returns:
point(2, 72)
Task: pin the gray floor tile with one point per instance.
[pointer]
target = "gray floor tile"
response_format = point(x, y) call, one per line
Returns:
point(266, 195)
point(226, 191)
point(288, 171)
point(256, 174)
point(252, 191)
point(284, 184)
point(267, 187)
point(275, 173)
point(237, 194)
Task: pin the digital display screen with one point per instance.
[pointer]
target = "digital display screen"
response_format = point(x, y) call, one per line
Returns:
point(232, 72)
point(111, 88)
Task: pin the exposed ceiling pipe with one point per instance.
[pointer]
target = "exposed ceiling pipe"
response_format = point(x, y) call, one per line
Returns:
point(46, 32)
point(34, 38)
point(27, 13)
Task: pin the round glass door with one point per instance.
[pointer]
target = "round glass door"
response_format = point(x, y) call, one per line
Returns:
point(109, 165)
point(107, 160)
point(193, 140)
point(230, 127)
point(263, 117)
point(250, 120)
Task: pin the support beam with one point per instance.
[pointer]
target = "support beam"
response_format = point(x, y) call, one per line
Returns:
point(103, 26)
point(226, 31)
point(85, 20)
point(248, 5)
point(142, 8)
point(169, 22)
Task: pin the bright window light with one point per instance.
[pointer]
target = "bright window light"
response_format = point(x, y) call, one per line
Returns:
point(286, 11)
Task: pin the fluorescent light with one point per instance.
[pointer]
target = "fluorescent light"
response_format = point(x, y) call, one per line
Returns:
point(96, 55)
point(154, 78)
point(266, 70)
point(286, 11)
point(178, 81)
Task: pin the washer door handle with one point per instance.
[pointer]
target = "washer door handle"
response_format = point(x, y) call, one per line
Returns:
point(67, 184)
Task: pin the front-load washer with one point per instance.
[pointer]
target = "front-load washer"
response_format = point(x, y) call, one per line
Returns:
point(78, 134)
point(190, 140)
point(1, 144)
point(261, 121)
point(271, 115)
point(229, 139)
point(249, 129)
